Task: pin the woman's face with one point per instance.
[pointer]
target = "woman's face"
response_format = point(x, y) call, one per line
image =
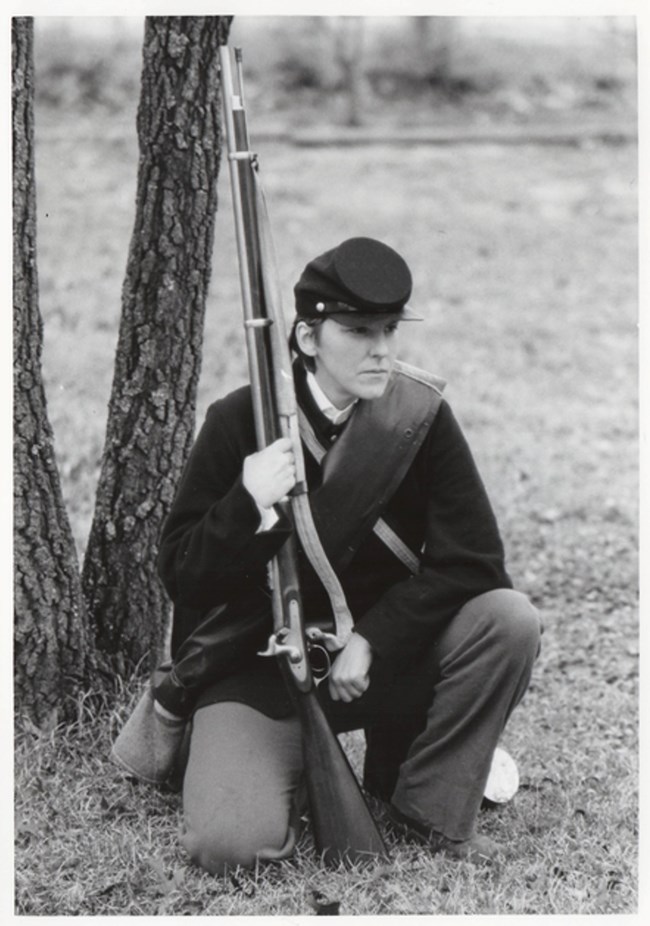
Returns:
point(354, 355)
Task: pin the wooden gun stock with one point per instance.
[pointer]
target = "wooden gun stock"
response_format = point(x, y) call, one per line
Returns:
point(344, 829)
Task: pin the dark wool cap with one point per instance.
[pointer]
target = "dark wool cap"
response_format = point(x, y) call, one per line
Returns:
point(360, 275)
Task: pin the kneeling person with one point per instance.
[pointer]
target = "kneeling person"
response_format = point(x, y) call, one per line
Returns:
point(442, 647)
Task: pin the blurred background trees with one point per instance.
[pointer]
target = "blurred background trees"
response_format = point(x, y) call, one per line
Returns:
point(304, 70)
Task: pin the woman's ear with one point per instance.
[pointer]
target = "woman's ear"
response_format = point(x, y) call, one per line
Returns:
point(306, 338)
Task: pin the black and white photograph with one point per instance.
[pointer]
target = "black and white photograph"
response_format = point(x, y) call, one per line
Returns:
point(326, 481)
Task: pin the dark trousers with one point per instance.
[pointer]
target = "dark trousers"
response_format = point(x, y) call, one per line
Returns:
point(430, 736)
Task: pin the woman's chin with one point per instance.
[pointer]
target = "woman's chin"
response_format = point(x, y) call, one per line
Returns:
point(373, 390)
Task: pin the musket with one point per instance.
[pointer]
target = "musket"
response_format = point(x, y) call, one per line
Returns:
point(343, 827)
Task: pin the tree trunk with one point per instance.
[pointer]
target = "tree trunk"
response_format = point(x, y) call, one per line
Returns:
point(350, 56)
point(51, 653)
point(435, 39)
point(152, 407)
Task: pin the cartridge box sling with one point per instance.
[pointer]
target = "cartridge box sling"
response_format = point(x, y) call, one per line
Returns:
point(343, 827)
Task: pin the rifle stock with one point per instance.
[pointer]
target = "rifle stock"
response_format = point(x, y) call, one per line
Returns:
point(343, 827)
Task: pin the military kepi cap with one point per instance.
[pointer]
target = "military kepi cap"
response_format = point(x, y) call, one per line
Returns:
point(361, 275)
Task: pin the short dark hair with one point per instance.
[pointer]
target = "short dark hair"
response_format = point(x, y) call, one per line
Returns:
point(308, 362)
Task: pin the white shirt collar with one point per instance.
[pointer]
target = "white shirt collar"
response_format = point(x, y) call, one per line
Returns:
point(335, 415)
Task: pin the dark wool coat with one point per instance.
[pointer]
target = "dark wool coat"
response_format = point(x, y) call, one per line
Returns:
point(211, 554)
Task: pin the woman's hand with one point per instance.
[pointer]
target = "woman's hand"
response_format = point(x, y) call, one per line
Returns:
point(270, 474)
point(349, 676)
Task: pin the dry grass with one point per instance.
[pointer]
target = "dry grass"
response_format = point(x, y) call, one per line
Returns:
point(94, 843)
point(525, 264)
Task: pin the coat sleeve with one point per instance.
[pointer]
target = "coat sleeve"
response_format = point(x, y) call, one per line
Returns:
point(210, 546)
point(463, 553)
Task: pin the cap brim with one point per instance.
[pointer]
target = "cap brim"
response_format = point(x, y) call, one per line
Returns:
point(405, 314)
point(408, 315)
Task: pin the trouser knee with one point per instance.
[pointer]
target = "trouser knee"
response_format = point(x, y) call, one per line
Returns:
point(513, 622)
point(233, 843)
point(241, 787)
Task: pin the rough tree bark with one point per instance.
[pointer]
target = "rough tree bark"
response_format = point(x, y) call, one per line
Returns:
point(152, 407)
point(52, 647)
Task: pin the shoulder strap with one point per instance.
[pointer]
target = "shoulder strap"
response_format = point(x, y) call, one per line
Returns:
point(385, 533)
point(362, 470)
point(396, 545)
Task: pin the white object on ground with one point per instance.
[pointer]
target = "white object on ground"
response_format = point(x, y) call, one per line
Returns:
point(503, 780)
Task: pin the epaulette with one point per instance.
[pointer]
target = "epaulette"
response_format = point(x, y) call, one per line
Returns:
point(420, 376)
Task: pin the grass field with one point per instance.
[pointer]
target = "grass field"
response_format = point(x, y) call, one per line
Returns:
point(525, 267)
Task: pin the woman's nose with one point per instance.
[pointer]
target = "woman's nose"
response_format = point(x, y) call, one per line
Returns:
point(380, 345)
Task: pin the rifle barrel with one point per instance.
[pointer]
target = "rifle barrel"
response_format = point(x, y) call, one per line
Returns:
point(344, 829)
point(247, 252)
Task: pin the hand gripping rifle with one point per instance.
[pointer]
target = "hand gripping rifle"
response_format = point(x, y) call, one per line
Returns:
point(344, 830)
